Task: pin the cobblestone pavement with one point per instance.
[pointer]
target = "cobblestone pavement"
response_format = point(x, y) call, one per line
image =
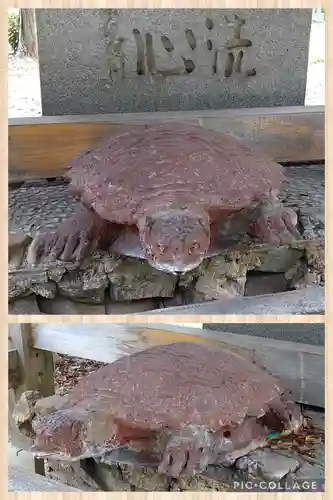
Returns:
point(51, 203)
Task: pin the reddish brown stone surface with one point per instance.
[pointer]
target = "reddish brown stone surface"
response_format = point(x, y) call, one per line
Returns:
point(164, 387)
point(171, 163)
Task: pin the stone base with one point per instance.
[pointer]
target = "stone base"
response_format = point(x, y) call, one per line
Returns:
point(109, 284)
point(283, 465)
point(101, 287)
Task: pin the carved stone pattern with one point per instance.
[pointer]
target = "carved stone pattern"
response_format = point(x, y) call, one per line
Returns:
point(181, 58)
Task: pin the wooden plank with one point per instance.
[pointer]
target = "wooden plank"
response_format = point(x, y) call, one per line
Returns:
point(42, 147)
point(18, 440)
point(41, 151)
point(37, 369)
point(107, 342)
point(299, 366)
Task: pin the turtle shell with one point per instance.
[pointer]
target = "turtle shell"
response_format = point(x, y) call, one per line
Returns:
point(175, 386)
point(168, 164)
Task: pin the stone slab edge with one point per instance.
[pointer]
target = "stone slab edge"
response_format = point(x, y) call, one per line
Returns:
point(309, 300)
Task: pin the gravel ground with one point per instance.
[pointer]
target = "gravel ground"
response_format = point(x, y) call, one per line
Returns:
point(24, 97)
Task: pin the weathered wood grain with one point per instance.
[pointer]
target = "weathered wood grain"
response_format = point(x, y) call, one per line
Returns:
point(14, 371)
point(299, 366)
point(37, 366)
point(42, 147)
point(37, 374)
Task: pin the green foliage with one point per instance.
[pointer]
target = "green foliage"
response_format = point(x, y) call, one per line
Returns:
point(13, 31)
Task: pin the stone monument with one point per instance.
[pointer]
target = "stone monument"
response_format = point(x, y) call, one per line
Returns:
point(138, 60)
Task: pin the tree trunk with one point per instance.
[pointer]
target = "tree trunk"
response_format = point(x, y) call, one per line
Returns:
point(28, 34)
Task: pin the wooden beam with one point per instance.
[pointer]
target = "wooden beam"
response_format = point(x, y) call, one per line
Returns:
point(14, 371)
point(42, 147)
point(300, 367)
point(37, 370)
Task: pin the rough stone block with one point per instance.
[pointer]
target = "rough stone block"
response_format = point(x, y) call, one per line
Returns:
point(70, 474)
point(47, 290)
point(26, 305)
point(88, 285)
point(62, 305)
point(266, 463)
point(129, 307)
point(279, 260)
point(262, 283)
point(225, 275)
point(132, 280)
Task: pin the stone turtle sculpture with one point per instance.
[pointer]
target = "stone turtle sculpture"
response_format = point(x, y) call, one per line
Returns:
point(162, 192)
point(188, 405)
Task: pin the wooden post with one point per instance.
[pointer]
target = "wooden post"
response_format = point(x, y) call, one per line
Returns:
point(36, 367)
point(14, 371)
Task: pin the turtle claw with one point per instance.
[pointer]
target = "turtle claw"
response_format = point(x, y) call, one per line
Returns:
point(188, 452)
point(184, 459)
point(74, 248)
point(73, 241)
point(84, 247)
point(70, 247)
point(36, 249)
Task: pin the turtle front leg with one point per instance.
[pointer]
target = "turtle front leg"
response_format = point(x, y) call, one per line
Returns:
point(188, 451)
point(275, 223)
point(75, 238)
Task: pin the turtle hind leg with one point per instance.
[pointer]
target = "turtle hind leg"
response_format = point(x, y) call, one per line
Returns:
point(275, 223)
point(239, 441)
point(76, 238)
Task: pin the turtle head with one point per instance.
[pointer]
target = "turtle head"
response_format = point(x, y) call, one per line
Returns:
point(175, 240)
point(61, 435)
